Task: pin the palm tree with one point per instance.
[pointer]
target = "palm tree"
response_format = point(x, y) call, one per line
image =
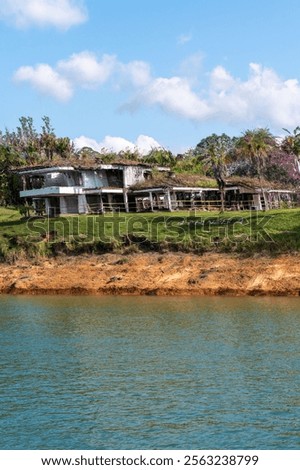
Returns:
point(256, 146)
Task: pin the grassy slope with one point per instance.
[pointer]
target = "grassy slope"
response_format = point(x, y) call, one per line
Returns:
point(276, 231)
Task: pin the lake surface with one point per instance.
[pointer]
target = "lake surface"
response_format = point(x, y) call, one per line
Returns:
point(149, 373)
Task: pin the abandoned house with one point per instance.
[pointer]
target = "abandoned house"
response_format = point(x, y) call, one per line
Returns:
point(136, 187)
point(181, 193)
point(68, 189)
point(247, 194)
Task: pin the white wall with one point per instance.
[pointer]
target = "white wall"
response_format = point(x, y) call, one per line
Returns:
point(132, 175)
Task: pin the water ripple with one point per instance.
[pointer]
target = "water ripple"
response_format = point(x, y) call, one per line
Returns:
point(149, 373)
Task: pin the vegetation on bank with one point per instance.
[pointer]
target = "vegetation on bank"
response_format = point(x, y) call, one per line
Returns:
point(256, 155)
point(244, 233)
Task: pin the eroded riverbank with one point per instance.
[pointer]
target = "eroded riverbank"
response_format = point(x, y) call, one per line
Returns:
point(155, 274)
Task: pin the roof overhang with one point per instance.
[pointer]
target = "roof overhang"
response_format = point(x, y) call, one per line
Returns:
point(42, 171)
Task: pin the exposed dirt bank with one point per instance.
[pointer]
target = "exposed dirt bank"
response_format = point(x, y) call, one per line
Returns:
point(155, 274)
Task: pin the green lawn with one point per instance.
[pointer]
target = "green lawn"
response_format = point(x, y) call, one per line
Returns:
point(275, 231)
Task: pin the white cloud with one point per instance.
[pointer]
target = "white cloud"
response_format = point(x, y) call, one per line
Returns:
point(59, 13)
point(143, 144)
point(86, 70)
point(83, 141)
point(45, 80)
point(116, 144)
point(175, 96)
point(263, 98)
point(83, 70)
point(221, 80)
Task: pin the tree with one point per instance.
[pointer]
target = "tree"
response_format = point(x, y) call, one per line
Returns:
point(47, 138)
point(214, 152)
point(291, 144)
point(9, 184)
point(256, 146)
point(160, 157)
point(28, 139)
point(64, 147)
point(188, 162)
point(281, 168)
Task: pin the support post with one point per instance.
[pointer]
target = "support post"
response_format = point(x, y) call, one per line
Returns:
point(101, 203)
point(151, 200)
point(169, 202)
point(174, 200)
point(126, 201)
point(24, 182)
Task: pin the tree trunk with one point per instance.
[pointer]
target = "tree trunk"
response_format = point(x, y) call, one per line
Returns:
point(266, 208)
point(221, 185)
point(222, 200)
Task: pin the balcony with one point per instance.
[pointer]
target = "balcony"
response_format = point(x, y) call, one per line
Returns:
point(52, 191)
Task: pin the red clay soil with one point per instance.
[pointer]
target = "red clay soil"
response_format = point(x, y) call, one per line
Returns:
point(155, 274)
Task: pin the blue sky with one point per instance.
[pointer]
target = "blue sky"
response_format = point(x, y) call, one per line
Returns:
point(125, 73)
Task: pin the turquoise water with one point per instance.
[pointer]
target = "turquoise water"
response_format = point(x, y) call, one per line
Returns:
point(149, 373)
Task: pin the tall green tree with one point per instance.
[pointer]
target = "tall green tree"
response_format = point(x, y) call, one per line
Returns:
point(215, 151)
point(256, 145)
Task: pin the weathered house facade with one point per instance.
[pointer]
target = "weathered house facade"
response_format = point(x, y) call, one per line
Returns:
point(239, 195)
point(68, 189)
point(175, 198)
point(250, 196)
point(132, 187)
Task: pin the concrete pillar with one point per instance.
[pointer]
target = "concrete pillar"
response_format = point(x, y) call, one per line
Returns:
point(126, 201)
point(169, 202)
point(101, 204)
point(257, 201)
point(24, 182)
point(151, 200)
point(47, 206)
